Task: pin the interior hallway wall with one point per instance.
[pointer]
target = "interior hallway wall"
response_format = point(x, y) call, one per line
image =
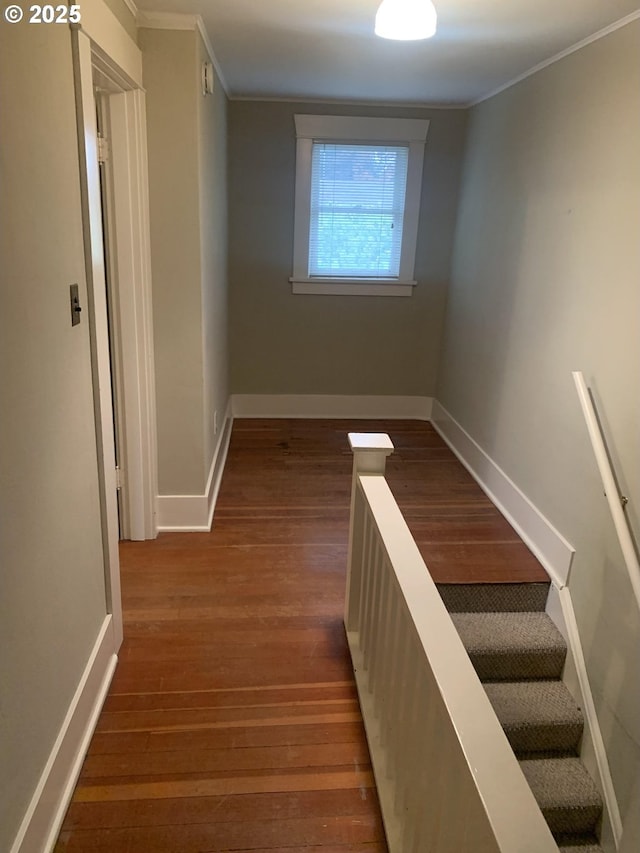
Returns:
point(52, 591)
point(546, 281)
point(187, 199)
point(299, 344)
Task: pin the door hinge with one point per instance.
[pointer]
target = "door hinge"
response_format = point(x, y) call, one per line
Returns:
point(103, 149)
point(119, 478)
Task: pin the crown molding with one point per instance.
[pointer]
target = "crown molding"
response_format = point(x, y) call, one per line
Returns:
point(180, 21)
point(338, 102)
point(617, 25)
point(131, 6)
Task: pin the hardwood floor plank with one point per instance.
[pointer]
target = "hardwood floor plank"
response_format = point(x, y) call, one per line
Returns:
point(336, 730)
point(321, 779)
point(244, 807)
point(145, 764)
point(306, 833)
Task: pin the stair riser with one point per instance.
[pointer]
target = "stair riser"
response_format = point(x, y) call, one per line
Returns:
point(494, 597)
point(518, 667)
point(547, 739)
point(574, 822)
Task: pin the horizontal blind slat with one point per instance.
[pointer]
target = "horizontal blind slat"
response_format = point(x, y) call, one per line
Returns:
point(357, 209)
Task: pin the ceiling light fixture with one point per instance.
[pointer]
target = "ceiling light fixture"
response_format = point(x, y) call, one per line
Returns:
point(406, 20)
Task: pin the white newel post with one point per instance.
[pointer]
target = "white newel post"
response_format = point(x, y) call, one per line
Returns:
point(370, 451)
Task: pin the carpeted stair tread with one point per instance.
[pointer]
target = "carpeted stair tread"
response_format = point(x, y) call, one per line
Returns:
point(566, 794)
point(512, 646)
point(537, 716)
point(493, 597)
point(580, 848)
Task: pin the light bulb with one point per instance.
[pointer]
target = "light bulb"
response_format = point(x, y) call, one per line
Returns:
point(406, 20)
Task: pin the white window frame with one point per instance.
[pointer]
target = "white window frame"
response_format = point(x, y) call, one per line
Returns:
point(314, 128)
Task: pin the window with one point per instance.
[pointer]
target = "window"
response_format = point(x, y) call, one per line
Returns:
point(358, 186)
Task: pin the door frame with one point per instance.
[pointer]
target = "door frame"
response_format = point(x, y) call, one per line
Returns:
point(100, 45)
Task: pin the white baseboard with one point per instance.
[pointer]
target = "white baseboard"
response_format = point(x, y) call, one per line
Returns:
point(219, 461)
point(330, 406)
point(548, 545)
point(194, 513)
point(593, 752)
point(43, 819)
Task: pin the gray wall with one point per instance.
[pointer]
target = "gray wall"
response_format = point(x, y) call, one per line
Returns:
point(52, 596)
point(187, 198)
point(281, 343)
point(545, 281)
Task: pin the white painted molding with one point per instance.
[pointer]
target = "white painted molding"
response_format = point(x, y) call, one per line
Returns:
point(593, 752)
point(131, 6)
point(42, 821)
point(108, 36)
point(133, 309)
point(330, 406)
point(548, 545)
point(180, 21)
point(194, 513)
point(328, 287)
point(97, 314)
point(623, 22)
point(345, 102)
point(217, 467)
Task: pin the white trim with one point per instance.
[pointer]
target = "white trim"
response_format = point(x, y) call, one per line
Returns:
point(46, 811)
point(97, 317)
point(593, 752)
point(217, 466)
point(304, 101)
point(548, 545)
point(310, 128)
point(131, 6)
point(352, 287)
point(109, 37)
point(330, 406)
point(194, 513)
point(166, 20)
point(134, 319)
point(180, 21)
point(611, 28)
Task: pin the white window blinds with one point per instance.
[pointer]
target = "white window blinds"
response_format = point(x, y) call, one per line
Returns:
point(357, 209)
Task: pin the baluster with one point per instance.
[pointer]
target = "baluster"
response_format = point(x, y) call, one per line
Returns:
point(400, 699)
point(390, 662)
point(376, 634)
point(365, 575)
point(371, 597)
point(409, 725)
point(429, 782)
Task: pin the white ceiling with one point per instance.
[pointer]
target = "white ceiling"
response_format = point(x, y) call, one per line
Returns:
point(326, 49)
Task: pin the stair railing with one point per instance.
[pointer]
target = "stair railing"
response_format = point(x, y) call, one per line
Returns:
point(616, 501)
point(447, 778)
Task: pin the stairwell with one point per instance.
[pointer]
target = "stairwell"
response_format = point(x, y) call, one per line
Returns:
point(519, 656)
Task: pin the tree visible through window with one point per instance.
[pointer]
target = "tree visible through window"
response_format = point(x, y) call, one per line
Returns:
point(357, 209)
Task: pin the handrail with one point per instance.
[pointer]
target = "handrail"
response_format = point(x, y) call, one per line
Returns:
point(447, 778)
point(615, 500)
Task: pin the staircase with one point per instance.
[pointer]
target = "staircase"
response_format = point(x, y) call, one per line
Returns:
point(519, 656)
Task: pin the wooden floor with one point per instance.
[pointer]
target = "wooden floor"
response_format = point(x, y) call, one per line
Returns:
point(232, 722)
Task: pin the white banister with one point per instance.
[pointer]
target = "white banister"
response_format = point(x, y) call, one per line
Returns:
point(615, 500)
point(447, 778)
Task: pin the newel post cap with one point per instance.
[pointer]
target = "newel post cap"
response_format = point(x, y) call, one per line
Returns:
point(370, 451)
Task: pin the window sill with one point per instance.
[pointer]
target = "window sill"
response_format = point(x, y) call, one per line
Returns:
point(351, 287)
